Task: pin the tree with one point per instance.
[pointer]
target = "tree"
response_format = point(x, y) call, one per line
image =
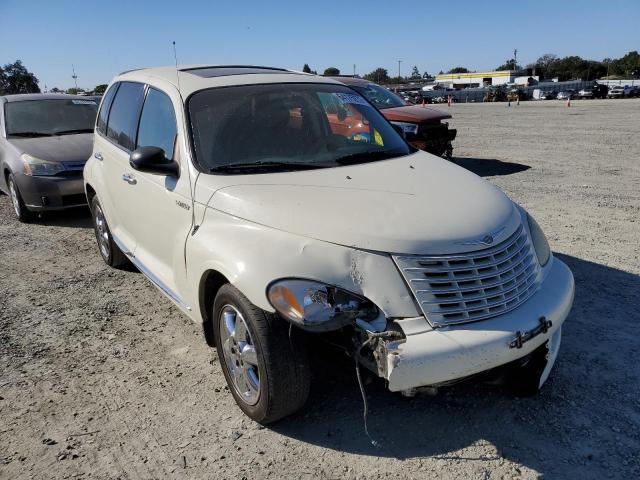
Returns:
point(55, 90)
point(415, 73)
point(627, 66)
point(379, 75)
point(458, 70)
point(331, 71)
point(100, 89)
point(17, 79)
point(426, 75)
point(509, 65)
point(306, 68)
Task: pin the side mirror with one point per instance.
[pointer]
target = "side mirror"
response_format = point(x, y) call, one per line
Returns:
point(153, 160)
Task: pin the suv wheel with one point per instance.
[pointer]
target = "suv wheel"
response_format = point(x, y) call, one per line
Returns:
point(109, 251)
point(266, 371)
point(23, 214)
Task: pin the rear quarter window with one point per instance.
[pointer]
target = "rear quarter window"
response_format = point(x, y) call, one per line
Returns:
point(124, 114)
point(103, 116)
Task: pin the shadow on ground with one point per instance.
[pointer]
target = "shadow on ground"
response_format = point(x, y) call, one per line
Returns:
point(72, 218)
point(487, 167)
point(563, 431)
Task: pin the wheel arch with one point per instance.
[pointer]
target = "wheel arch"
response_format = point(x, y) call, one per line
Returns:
point(90, 192)
point(210, 283)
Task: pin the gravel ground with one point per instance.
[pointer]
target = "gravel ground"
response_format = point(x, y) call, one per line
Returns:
point(101, 377)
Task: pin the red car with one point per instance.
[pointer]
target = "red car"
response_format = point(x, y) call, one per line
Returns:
point(423, 126)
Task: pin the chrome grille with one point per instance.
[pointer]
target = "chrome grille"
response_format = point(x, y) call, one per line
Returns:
point(473, 286)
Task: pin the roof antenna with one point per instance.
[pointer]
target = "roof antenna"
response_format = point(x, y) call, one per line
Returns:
point(175, 57)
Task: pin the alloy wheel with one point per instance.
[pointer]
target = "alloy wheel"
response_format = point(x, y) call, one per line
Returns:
point(241, 358)
point(14, 197)
point(102, 232)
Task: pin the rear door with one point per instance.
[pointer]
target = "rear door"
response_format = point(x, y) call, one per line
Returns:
point(115, 148)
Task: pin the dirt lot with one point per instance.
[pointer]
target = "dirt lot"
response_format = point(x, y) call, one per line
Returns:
point(101, 377)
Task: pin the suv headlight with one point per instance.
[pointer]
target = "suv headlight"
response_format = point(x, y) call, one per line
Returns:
point(318, 307)
point(37, 167)
point(540, 243)
point(408, 128)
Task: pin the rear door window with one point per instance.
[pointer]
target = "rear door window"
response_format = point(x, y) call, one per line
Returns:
point(157, 123)
point(103, 116)
point(124, 114)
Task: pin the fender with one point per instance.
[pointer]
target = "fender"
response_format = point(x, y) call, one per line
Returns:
point(251, 256)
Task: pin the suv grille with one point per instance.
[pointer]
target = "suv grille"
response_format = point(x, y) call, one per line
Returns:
point(473, 286)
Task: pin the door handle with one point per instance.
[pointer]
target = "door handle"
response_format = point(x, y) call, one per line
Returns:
point(129, 179)
point(97, 156)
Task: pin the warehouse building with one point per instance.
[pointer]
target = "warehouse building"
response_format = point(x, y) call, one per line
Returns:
point(484, 79)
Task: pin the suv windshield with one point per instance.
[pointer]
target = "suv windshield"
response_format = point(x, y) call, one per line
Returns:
point(380, 96)
point(288, 127)
point(35, 118)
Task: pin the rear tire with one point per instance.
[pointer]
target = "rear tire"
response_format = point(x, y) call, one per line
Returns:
point(22, 212)
point(267, 371)
point(109, 251)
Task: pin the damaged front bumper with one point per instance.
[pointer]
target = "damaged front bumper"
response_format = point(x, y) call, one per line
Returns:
point(445, 354)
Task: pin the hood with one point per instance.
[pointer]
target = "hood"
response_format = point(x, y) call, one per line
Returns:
point(418, 204)
point(63, 148)
point(414, 114)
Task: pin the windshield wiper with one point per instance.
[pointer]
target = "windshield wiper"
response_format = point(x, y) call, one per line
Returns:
point(266, 166)
point(30, 134)
point(75, 130)
point(363, 157)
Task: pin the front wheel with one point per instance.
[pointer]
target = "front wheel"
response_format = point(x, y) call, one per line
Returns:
point(265, 367)
point(23, 214)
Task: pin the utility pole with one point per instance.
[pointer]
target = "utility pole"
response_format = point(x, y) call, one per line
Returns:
point(74, 76)
point(354, 69)
point(399, 62)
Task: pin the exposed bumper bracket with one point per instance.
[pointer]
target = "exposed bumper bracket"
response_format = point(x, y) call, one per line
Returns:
point(522, 338)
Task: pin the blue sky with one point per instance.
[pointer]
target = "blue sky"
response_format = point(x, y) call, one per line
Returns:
point(103, 38)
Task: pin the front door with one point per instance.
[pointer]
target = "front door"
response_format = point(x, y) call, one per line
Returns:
point(159, 215)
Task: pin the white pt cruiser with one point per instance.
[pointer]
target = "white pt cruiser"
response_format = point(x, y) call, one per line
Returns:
point(265, 202)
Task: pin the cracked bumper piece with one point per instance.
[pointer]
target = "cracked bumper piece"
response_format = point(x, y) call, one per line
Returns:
point(450, 353)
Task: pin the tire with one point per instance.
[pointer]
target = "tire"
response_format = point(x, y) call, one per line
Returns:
point(22, 212)
point(109, 251)
point(267, 371)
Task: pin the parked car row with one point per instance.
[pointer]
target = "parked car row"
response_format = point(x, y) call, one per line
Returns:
point(269, 205)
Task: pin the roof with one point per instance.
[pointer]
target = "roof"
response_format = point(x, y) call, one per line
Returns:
point(351, 80)
point(22, 97)
point(191, 78)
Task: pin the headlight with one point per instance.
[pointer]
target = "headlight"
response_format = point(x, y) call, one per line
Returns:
point(411, 128)
point(539, 240)
point(318, 307)
point(37, 167)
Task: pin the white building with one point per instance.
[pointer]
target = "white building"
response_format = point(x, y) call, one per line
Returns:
point(483, 79)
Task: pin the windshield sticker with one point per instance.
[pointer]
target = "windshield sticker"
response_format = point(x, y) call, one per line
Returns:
point(83, 102)
point(351, 98)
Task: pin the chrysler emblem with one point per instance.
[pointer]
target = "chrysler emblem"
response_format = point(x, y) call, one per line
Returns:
point(488, 239)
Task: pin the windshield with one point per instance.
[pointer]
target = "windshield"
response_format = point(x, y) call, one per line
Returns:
point(288, 126)
point(33, 118)
point(380, 96)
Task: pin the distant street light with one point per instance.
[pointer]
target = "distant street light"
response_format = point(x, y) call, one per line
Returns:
point(74, 76)
point(399, 62)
